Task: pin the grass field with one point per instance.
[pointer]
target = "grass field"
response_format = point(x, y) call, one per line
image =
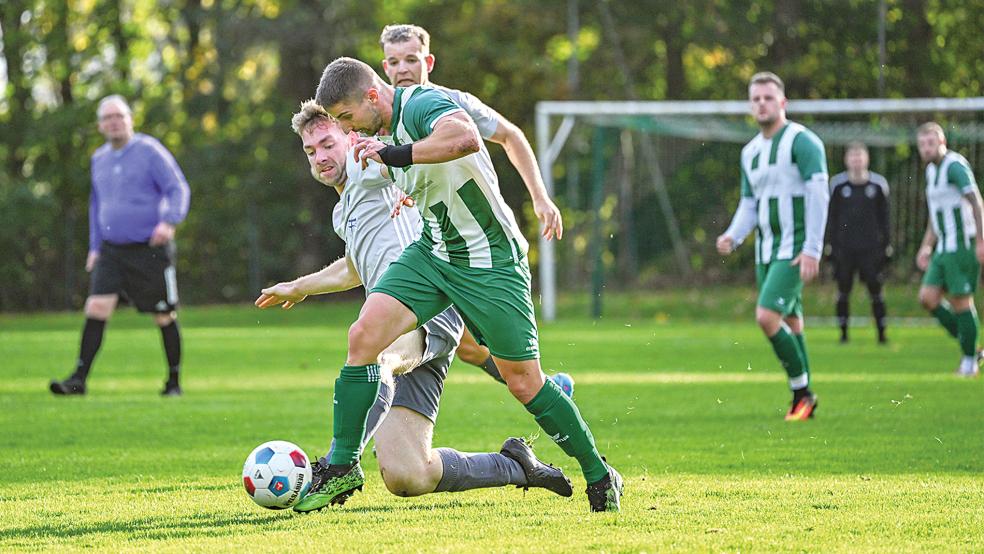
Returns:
point(689, 410)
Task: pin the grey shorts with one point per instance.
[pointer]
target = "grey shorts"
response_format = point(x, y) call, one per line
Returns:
point(420, 389)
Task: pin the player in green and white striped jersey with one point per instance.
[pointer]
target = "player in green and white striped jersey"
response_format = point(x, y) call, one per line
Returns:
point(471, 254)
point(784, 194)
point(952, 249)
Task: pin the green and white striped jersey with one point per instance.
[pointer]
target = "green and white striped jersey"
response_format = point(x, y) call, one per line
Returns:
point(775, 172)
point(466, 220)
point(950, 213)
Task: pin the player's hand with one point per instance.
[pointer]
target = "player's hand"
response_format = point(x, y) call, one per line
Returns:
point(367, 148)
point(402, 200)
point(90, 261)
point(725, 245)
point(809, 267)
point(979, 250)
point(281, 293)
point(162, 234)
point(923, 256)
point(549, 215)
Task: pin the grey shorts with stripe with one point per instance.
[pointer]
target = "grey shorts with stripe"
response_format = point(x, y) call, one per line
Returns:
point(420, 389)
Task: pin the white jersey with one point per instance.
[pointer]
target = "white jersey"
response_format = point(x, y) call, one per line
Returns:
point(949, 212)
point(485, 118)
point(775, 172)
point(362, 219)
point(466, 220)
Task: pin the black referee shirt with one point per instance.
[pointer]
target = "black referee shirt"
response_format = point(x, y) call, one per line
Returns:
point(858, 214)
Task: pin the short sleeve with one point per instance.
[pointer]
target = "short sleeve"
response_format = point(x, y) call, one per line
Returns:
point(959, 175)
point(424, 108)
point(809, 155)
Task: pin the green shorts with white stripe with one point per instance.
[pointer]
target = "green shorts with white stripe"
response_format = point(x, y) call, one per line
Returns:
point(495, 302)
point(955, 272)
point(780, 287)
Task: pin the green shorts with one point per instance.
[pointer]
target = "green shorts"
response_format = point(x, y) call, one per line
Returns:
point(780, 287)
point(955, 272)
point(495, 303)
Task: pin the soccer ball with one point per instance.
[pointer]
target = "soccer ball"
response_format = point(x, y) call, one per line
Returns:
point(277, 474)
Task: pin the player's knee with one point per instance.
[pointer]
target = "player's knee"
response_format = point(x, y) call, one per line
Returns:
point(929, 300)
point(99, 308)
point(165, 319)
point(360, 340)
point(767, 320)
point(406, 478)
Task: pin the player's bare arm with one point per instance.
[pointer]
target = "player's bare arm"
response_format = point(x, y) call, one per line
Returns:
point(337, 277)
point(521, 156)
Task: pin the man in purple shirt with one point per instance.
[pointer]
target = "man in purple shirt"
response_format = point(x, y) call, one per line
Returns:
point(138, 197)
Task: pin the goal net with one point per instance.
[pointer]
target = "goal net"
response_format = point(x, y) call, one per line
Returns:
point(646, 187)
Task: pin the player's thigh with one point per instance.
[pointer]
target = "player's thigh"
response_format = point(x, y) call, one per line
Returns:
point(871, 271)
point(498, 306)
point(780, 288)
point(469, 351)
point(405, 353)
point(844, 272)
point(381, 322)
point(101, 306)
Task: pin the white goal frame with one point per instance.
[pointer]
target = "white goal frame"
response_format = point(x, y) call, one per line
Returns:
point(549, 144)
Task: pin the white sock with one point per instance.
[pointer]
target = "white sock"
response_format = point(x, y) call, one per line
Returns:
point(967, 364)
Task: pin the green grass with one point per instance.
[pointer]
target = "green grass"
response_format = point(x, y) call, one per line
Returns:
point(689, 410)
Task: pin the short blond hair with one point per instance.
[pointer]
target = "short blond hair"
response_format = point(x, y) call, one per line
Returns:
point(763, 77)
point(856, 145)
point(403, 32)
point(311, 112)
point(931, 127)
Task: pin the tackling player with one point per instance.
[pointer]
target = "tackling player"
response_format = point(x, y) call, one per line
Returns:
point(408, 463)
point(471, 254)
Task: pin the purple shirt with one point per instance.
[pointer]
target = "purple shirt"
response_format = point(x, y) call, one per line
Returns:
point(133, 189)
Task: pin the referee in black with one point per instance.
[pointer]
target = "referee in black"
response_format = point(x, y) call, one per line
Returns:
point(858, 234)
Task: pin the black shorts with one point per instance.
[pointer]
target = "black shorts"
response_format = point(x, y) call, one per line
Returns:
point(141, 274)
point(867, 263)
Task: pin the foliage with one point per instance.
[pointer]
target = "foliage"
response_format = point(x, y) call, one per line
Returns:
point(217, 80)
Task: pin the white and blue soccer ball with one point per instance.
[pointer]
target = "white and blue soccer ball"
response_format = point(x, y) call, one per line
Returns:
point(277, 474)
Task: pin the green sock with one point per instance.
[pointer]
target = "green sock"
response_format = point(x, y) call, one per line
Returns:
point(788, 351)
point(558, 417)
point(801, 342)
point(969, 328)
point(947, 319)
point(355, 391)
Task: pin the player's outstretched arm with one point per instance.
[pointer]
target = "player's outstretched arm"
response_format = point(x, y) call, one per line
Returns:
point(521, 156)
point(454, 136)
point(337, 277)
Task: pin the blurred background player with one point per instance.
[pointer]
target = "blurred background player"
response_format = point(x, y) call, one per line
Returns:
point(406, 407)
point(408, 61)
point(953, 267)
point(784, 193)
point(858, 234)
point(139, 195)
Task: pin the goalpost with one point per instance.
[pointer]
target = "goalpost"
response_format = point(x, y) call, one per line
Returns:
point(665, 129)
